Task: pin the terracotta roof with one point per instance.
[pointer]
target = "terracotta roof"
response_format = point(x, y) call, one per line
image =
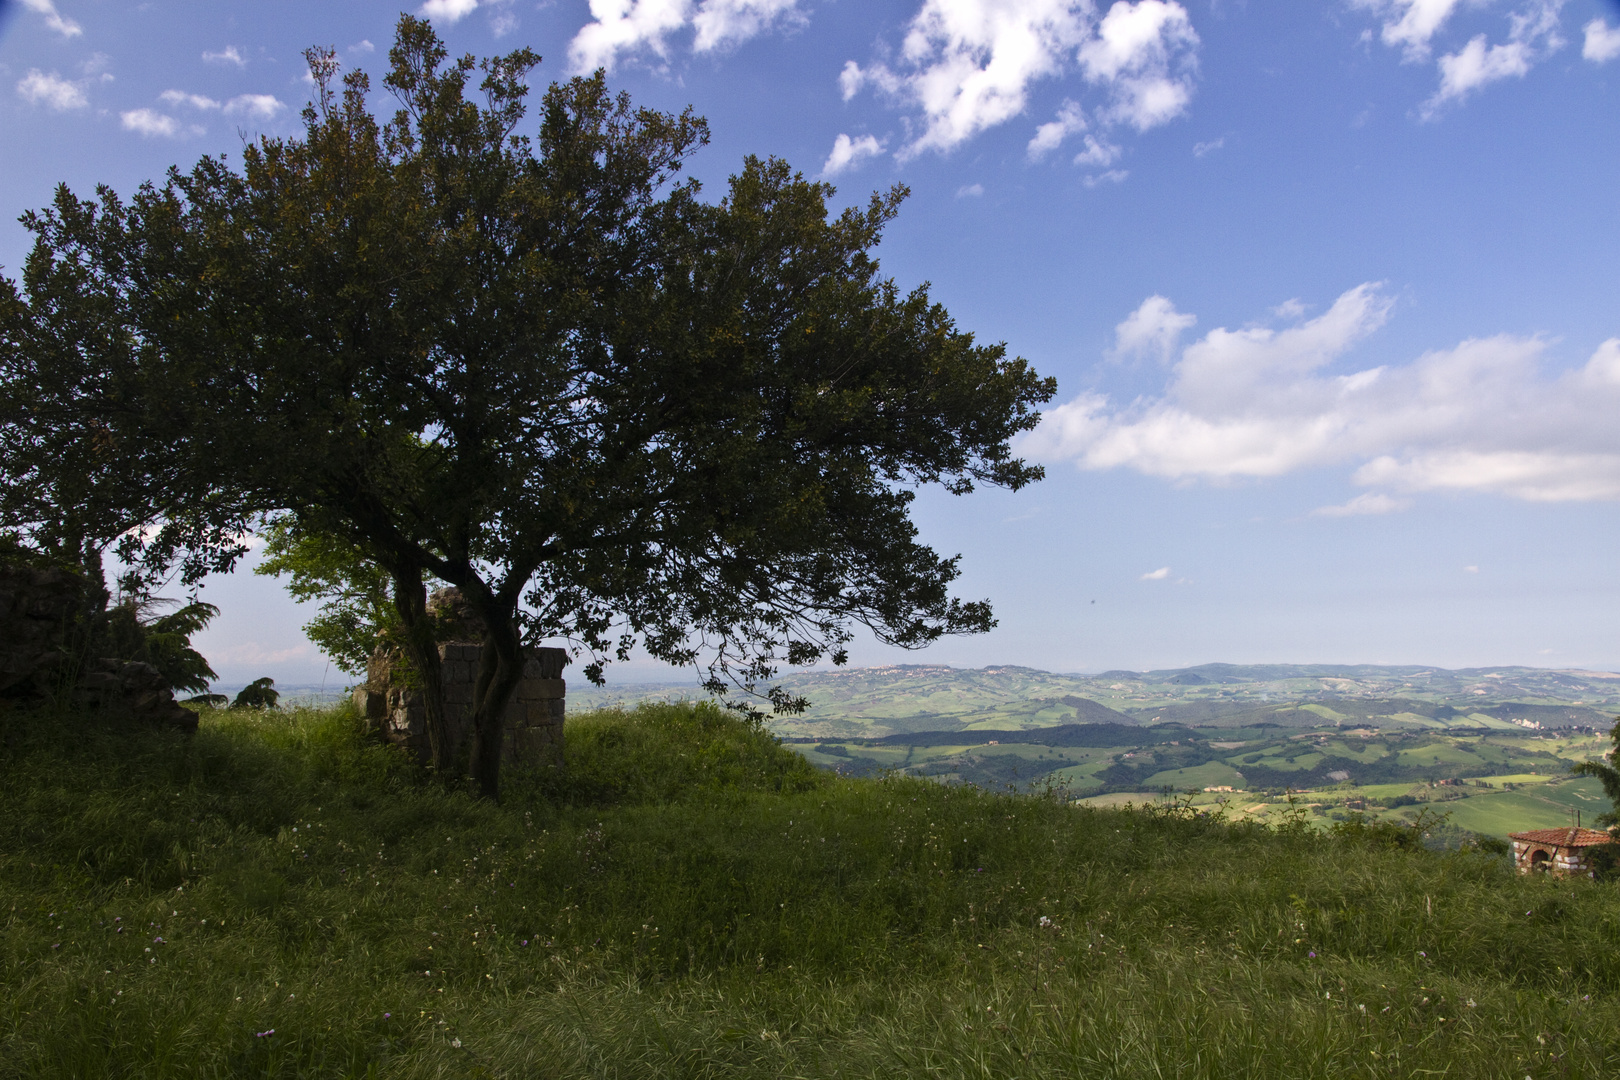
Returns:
point(1563, 837)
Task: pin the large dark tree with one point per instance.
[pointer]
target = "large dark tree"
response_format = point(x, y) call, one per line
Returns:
point(535, 367)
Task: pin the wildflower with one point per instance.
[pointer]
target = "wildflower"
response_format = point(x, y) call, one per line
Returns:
point(1311, 954)
point(262, 1034)
point(388, 1016)
point(456, 1043)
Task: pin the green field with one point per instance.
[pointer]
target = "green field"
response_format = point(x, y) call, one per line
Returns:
point(1489, 783)
point(278, 897)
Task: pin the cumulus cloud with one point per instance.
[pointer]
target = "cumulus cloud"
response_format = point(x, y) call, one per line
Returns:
point(1481, 416)
point(626, 27)
point(970, 191)
point(1372, 502)
point(450, 11)
point(1153, 330)
point(1112, 176)
point(257, 106)
point(969, 65)
point(151, 123)
point(1413, 26)
point(1050, 135)
point(1410, 24)
point(230, 54)
point(52, 91)
point(54, 19)
point(1156, 575)
point(1143, 53)
point(1602, 42)
point(1200, 149)
point(1532, 38)
point(847, 153)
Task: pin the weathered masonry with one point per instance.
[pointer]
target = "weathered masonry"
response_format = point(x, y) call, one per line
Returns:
point(1557, 851)
point(533, 728)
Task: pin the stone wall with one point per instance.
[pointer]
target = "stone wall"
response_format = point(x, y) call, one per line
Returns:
point(533, 728)
point(40, 617)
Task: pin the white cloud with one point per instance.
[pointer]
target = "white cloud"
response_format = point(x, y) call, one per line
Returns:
point(1477, 65)
point(230, 54)
point(1414, 25)
point(847, 153)
point(619, 27)
point(1411, 24)
point(1257, 402)
point(969, 65)
point(1144, 53)
point(1370, 503)
point(451, 11)
point(1112, 176)
point(362, 46)
point(1475, 570)
point(149, 122)
point(502, 23)
point(970, 191)
point(1050, 135)
point(1153, 329)
point(179, 97)
point(54, 19)
point(1602, 42)
point(258, 106)
point(1156, 575)
point(721, 24)
point(1100, 154)
point(1200, 149)
point(52, 90)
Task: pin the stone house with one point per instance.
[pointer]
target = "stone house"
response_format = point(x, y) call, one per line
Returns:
point(1557, 851)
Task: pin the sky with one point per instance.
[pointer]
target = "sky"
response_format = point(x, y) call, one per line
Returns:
point(1331, 288)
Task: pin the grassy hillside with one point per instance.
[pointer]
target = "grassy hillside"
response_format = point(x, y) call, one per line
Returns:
point(900, 699)
point(278, 897)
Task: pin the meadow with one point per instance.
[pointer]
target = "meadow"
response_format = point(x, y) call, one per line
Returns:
point(278, 896)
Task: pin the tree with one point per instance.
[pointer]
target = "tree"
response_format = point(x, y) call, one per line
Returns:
point(356, 614)
point(1608, 774)
point(537, 368)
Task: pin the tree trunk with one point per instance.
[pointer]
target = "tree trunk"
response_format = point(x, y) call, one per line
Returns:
point(410, 600)
point(500, 669)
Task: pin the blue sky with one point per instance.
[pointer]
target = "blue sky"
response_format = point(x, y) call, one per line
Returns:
point(1331, 288)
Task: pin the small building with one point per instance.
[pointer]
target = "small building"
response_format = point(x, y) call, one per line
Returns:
point(1557, 851)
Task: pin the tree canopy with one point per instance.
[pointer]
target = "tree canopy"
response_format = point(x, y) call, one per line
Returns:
point(535, 365)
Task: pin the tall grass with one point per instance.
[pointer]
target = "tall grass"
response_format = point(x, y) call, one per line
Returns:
point(278, 897)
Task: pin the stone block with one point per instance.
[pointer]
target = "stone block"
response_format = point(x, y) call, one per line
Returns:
point(543, 689)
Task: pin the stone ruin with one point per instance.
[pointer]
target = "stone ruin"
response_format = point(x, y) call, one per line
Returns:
point(40, 609)
point(532, 735)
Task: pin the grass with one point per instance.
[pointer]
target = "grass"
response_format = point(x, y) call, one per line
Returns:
point(276, 896)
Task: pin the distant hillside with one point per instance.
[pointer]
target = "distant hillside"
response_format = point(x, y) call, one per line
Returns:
point(878, 701)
